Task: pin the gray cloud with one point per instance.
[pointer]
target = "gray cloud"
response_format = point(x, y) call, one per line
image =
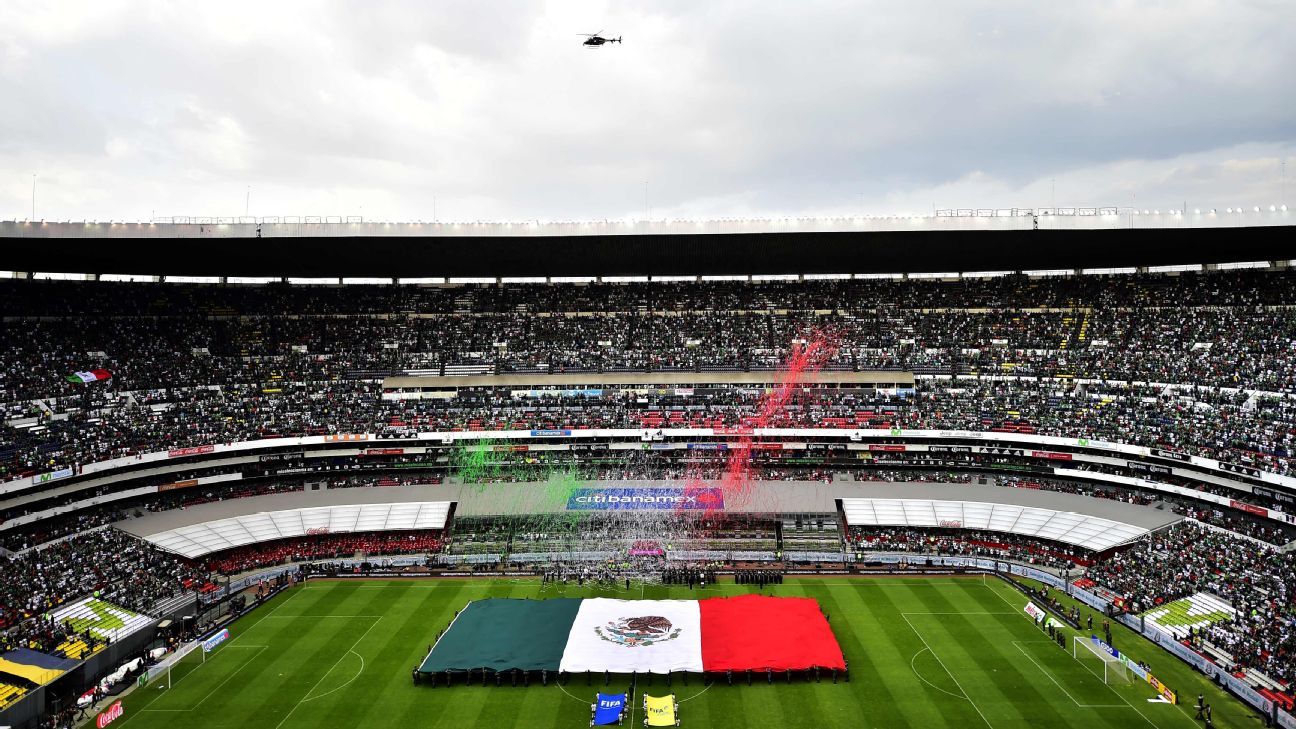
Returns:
point(732, 107)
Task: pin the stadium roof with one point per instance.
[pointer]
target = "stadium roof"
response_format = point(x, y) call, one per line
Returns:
point(1068, 527)
point(610, 249)
point(197, 540)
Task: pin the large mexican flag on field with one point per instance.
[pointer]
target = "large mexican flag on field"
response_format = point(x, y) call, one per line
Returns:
point(646, 636)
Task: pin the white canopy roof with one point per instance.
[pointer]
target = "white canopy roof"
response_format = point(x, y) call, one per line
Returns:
point(196, 540)
point(1090, 532)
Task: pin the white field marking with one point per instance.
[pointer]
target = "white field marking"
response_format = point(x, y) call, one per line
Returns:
point(560, 688)
point(694, 696)
point(1109, 686)
point(1055, 681)
point(285, 602)
point(227, 678)
point(348, 683)
point(966, 695)
point(958, 612)
point(319, 616)
point(924, 678)
point(326, 673)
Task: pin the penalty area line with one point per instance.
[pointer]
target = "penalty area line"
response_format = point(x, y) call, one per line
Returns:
point(1049, 674)
point(954, 678)
point(326, 674)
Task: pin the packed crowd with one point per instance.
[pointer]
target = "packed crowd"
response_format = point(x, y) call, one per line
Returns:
point(963, 543)
point(1259, 582)
point(324, 546)
point(113, 565)
point(1231, 427)
point(278, 374)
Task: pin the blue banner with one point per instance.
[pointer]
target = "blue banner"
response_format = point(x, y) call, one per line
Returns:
point(543, 433)
point(210, 644)
point(608, 499)
point(609, 709)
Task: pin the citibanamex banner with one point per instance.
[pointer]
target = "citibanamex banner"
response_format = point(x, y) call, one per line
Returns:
point(111, 714)
point(210, 644)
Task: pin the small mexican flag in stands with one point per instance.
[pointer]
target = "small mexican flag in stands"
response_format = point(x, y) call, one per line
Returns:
point(96, 375)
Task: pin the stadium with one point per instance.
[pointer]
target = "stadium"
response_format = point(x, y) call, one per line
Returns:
point(706, 486)
point(736, 365)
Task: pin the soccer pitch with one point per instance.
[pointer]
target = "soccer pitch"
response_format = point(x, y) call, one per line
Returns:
point(924, 652)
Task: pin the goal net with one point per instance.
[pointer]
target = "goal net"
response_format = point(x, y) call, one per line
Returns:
point(175, 666)
point(1099, 662)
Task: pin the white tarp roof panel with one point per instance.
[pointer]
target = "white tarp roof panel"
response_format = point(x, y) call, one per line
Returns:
point(197, 540)
point(1068, 527)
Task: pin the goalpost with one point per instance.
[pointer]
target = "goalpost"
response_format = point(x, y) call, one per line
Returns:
point(1099, 662)
point(175, 666)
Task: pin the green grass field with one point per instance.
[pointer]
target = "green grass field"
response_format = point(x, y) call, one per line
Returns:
point(924, 652)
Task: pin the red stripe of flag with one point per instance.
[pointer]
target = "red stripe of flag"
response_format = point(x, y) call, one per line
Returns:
point(757, 632)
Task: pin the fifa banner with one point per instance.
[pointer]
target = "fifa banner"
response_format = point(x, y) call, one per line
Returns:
point(1036, 614)
point(210, 644)
point(749, 632)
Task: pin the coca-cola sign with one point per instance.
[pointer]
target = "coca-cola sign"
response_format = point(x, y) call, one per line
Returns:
point(113, 713)
point(190, 451)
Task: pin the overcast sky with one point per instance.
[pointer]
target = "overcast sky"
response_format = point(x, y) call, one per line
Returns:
point(125, 109)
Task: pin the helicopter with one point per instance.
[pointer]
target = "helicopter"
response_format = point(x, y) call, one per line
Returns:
point(594, 40)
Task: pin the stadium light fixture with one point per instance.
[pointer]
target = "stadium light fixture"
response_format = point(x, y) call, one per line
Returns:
point(573, 279)
point(421, 281)
point(986, 274)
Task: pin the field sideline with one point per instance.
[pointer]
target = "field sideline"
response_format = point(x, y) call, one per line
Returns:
point(924, 652)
